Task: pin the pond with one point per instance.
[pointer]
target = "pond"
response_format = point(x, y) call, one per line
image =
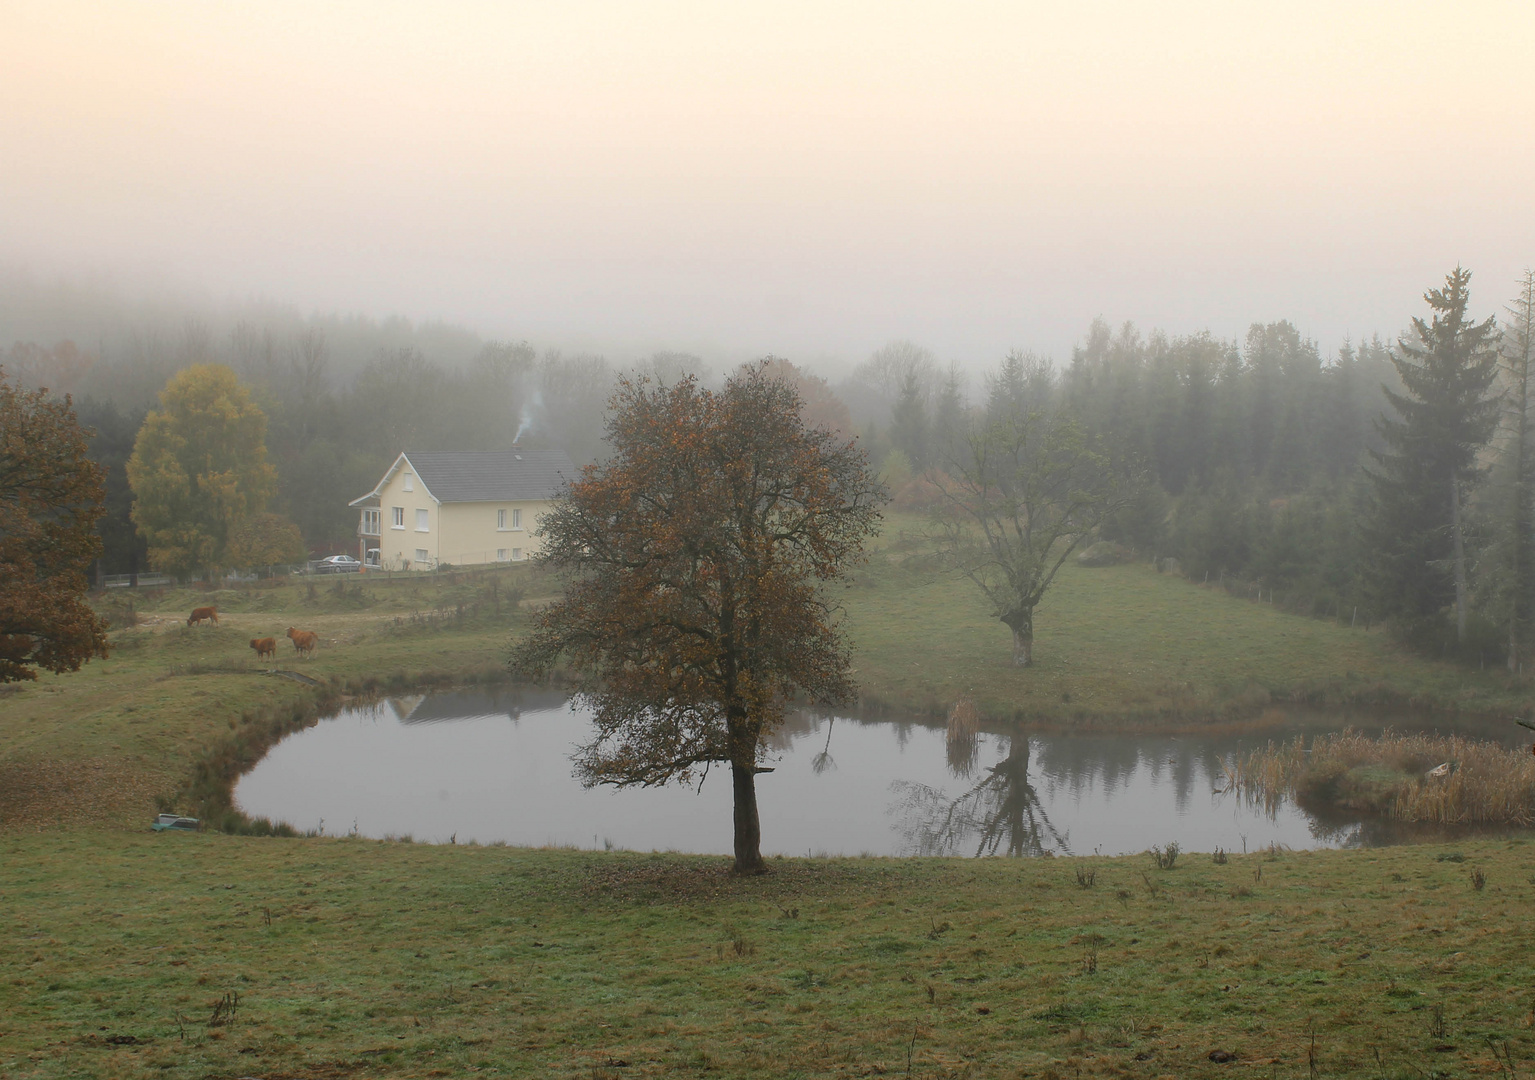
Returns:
point(488, 767)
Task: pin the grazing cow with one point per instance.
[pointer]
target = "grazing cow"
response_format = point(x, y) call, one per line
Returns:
point(304, 641)
point(201, 613)
point(265, 647)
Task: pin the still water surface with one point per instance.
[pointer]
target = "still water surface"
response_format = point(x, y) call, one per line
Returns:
point(487, 767)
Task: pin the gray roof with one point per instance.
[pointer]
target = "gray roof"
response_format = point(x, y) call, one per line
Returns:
point(492, 475)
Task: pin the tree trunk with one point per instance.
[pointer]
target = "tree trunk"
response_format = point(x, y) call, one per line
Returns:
point(1460, 559)
point(748, 824)
point(1021, 623)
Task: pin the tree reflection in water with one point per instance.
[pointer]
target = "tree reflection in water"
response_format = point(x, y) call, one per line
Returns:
point(1000, 814)
point(823, 761)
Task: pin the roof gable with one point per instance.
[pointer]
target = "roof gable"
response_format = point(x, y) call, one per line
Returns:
point(452, 476)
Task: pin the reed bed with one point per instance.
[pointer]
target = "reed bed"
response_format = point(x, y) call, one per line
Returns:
point(961, 738)
point(1482, 783)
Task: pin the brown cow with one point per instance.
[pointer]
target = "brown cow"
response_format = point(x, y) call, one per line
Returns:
point(201, 613)
point(265, 647)
point(304, 641)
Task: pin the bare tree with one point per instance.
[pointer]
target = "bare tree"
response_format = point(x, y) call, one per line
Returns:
point(875, 386)
point(1026, 486)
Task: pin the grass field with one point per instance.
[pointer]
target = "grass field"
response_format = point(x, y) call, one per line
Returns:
point(359, 958)
point(1123, 641)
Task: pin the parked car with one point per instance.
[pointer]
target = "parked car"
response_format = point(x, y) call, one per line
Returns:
point(337, 564)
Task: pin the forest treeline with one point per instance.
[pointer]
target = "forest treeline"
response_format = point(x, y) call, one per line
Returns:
point(1252, 458)
point(1252, 451)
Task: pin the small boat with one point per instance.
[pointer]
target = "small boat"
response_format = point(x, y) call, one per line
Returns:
point(1439, 772)
point(176, 822)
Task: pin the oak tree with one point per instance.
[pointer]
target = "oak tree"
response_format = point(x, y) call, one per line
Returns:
point(50, 499)
point(199, 471)
point(699, 552)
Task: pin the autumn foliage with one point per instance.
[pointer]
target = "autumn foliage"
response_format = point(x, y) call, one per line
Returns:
point(50, 498)
point(199, 471)
point(698, 553)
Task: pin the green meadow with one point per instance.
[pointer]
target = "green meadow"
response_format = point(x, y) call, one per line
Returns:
point(203, 955)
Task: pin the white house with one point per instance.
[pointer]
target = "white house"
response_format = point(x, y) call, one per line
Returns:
point(463, 507)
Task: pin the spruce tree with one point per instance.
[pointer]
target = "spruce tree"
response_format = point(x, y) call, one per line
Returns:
point(1444, 418)
point(908, 422)
point(948, 420)
point(1519, 461)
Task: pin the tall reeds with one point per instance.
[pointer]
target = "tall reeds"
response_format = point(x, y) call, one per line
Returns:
point(960, 740)
point(1484, 783)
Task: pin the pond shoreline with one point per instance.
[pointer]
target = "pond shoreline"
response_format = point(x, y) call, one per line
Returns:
point(491, 762)
point(209, 789)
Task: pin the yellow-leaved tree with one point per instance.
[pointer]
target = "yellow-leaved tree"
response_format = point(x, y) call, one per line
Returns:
point(199, 471)
point(266, 540)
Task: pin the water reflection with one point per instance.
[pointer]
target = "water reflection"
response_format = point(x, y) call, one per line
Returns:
point(1001, 814)
point(496, 766)
point(456, 705)
point(823, 762)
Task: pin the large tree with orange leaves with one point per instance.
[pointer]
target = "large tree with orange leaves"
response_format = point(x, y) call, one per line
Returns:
point(50, 498)
point(699, 552)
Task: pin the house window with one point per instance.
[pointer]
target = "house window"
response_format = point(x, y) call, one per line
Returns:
point(501, 552)
point(501, 519)
point(516, 554)
point(397, 517)
point(422, 524)
point(410, 482)
point(422, 555)
point(516, 519)
point(370, 519)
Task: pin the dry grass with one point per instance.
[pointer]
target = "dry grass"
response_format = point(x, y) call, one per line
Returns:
point(961, 737)
point(1487, 784)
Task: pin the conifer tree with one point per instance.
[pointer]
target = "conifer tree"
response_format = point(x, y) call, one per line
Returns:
point(1444, 417)
point(908, 421)
point(1519, 527)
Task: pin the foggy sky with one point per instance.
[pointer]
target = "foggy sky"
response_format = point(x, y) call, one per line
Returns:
point(807, 179)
